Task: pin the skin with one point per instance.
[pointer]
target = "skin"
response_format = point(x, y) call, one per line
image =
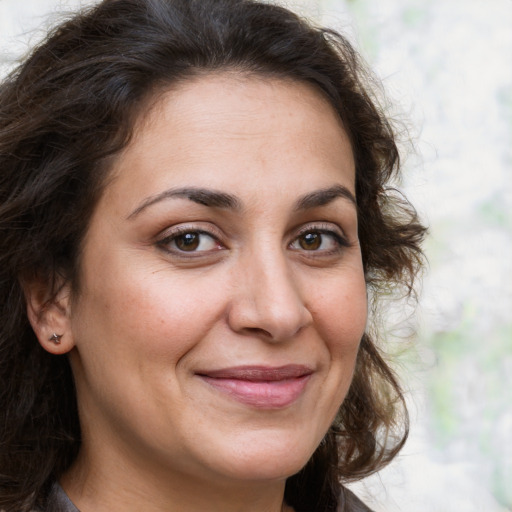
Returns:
point(273, 279)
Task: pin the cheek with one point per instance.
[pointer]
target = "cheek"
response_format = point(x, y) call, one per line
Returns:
point(152, 313)
point(341, 311)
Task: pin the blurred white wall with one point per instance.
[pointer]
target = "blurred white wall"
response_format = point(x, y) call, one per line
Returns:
point(447, 65)
point(23, 23)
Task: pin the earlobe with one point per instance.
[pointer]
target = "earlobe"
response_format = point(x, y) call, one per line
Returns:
point(49, 315)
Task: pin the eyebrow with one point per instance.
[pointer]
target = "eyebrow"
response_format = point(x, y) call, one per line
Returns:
point(324, 196)
point(217, 199)
point(203, 196)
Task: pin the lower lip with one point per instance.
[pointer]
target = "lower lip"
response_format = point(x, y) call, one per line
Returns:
point(261, 394)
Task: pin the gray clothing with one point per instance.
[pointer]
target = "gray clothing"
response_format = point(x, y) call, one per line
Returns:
point(58, 501)
point(349, 502)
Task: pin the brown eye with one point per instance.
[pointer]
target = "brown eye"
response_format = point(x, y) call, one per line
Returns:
point(310, 241)
point(187, 241)
point(320, 241)
point(190, 242)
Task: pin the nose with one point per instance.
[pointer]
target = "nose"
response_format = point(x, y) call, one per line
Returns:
point(267, 300)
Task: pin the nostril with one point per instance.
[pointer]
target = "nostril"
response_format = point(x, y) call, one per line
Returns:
point(268, 309)
point(258, 331)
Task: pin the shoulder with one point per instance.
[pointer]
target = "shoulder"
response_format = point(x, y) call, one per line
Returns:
point(57, 501)
point(349, 502)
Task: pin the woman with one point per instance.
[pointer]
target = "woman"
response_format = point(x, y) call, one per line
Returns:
point(193, 210)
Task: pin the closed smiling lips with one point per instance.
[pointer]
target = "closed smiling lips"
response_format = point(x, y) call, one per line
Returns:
point(262, 387)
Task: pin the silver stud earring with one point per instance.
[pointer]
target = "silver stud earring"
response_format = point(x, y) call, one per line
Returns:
point(55, 338)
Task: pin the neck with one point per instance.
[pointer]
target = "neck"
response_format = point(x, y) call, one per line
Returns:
point(117, 486)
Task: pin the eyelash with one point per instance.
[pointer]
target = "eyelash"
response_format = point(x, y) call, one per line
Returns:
point(175, 234)
point(323, 230)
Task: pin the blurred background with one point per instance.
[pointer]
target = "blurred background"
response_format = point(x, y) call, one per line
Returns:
point(446, 66)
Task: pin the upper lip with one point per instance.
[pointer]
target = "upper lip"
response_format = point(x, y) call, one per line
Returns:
point(256, 373)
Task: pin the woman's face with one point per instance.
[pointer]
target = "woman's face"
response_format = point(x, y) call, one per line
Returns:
point(222, 296)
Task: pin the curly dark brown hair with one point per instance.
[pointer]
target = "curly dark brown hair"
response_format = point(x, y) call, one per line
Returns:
point(65, 113)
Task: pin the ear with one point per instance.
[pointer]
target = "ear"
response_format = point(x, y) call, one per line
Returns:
point(50, 314)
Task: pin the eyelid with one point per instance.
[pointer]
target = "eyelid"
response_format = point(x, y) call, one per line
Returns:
point(321, 226)
point(324, 228)
point(166, 236)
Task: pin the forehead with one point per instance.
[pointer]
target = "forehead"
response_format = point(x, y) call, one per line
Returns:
point(232, 131)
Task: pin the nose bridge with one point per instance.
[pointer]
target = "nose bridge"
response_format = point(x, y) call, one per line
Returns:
point(269, 299)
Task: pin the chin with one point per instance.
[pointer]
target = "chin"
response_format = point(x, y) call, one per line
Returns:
point(269, 458)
